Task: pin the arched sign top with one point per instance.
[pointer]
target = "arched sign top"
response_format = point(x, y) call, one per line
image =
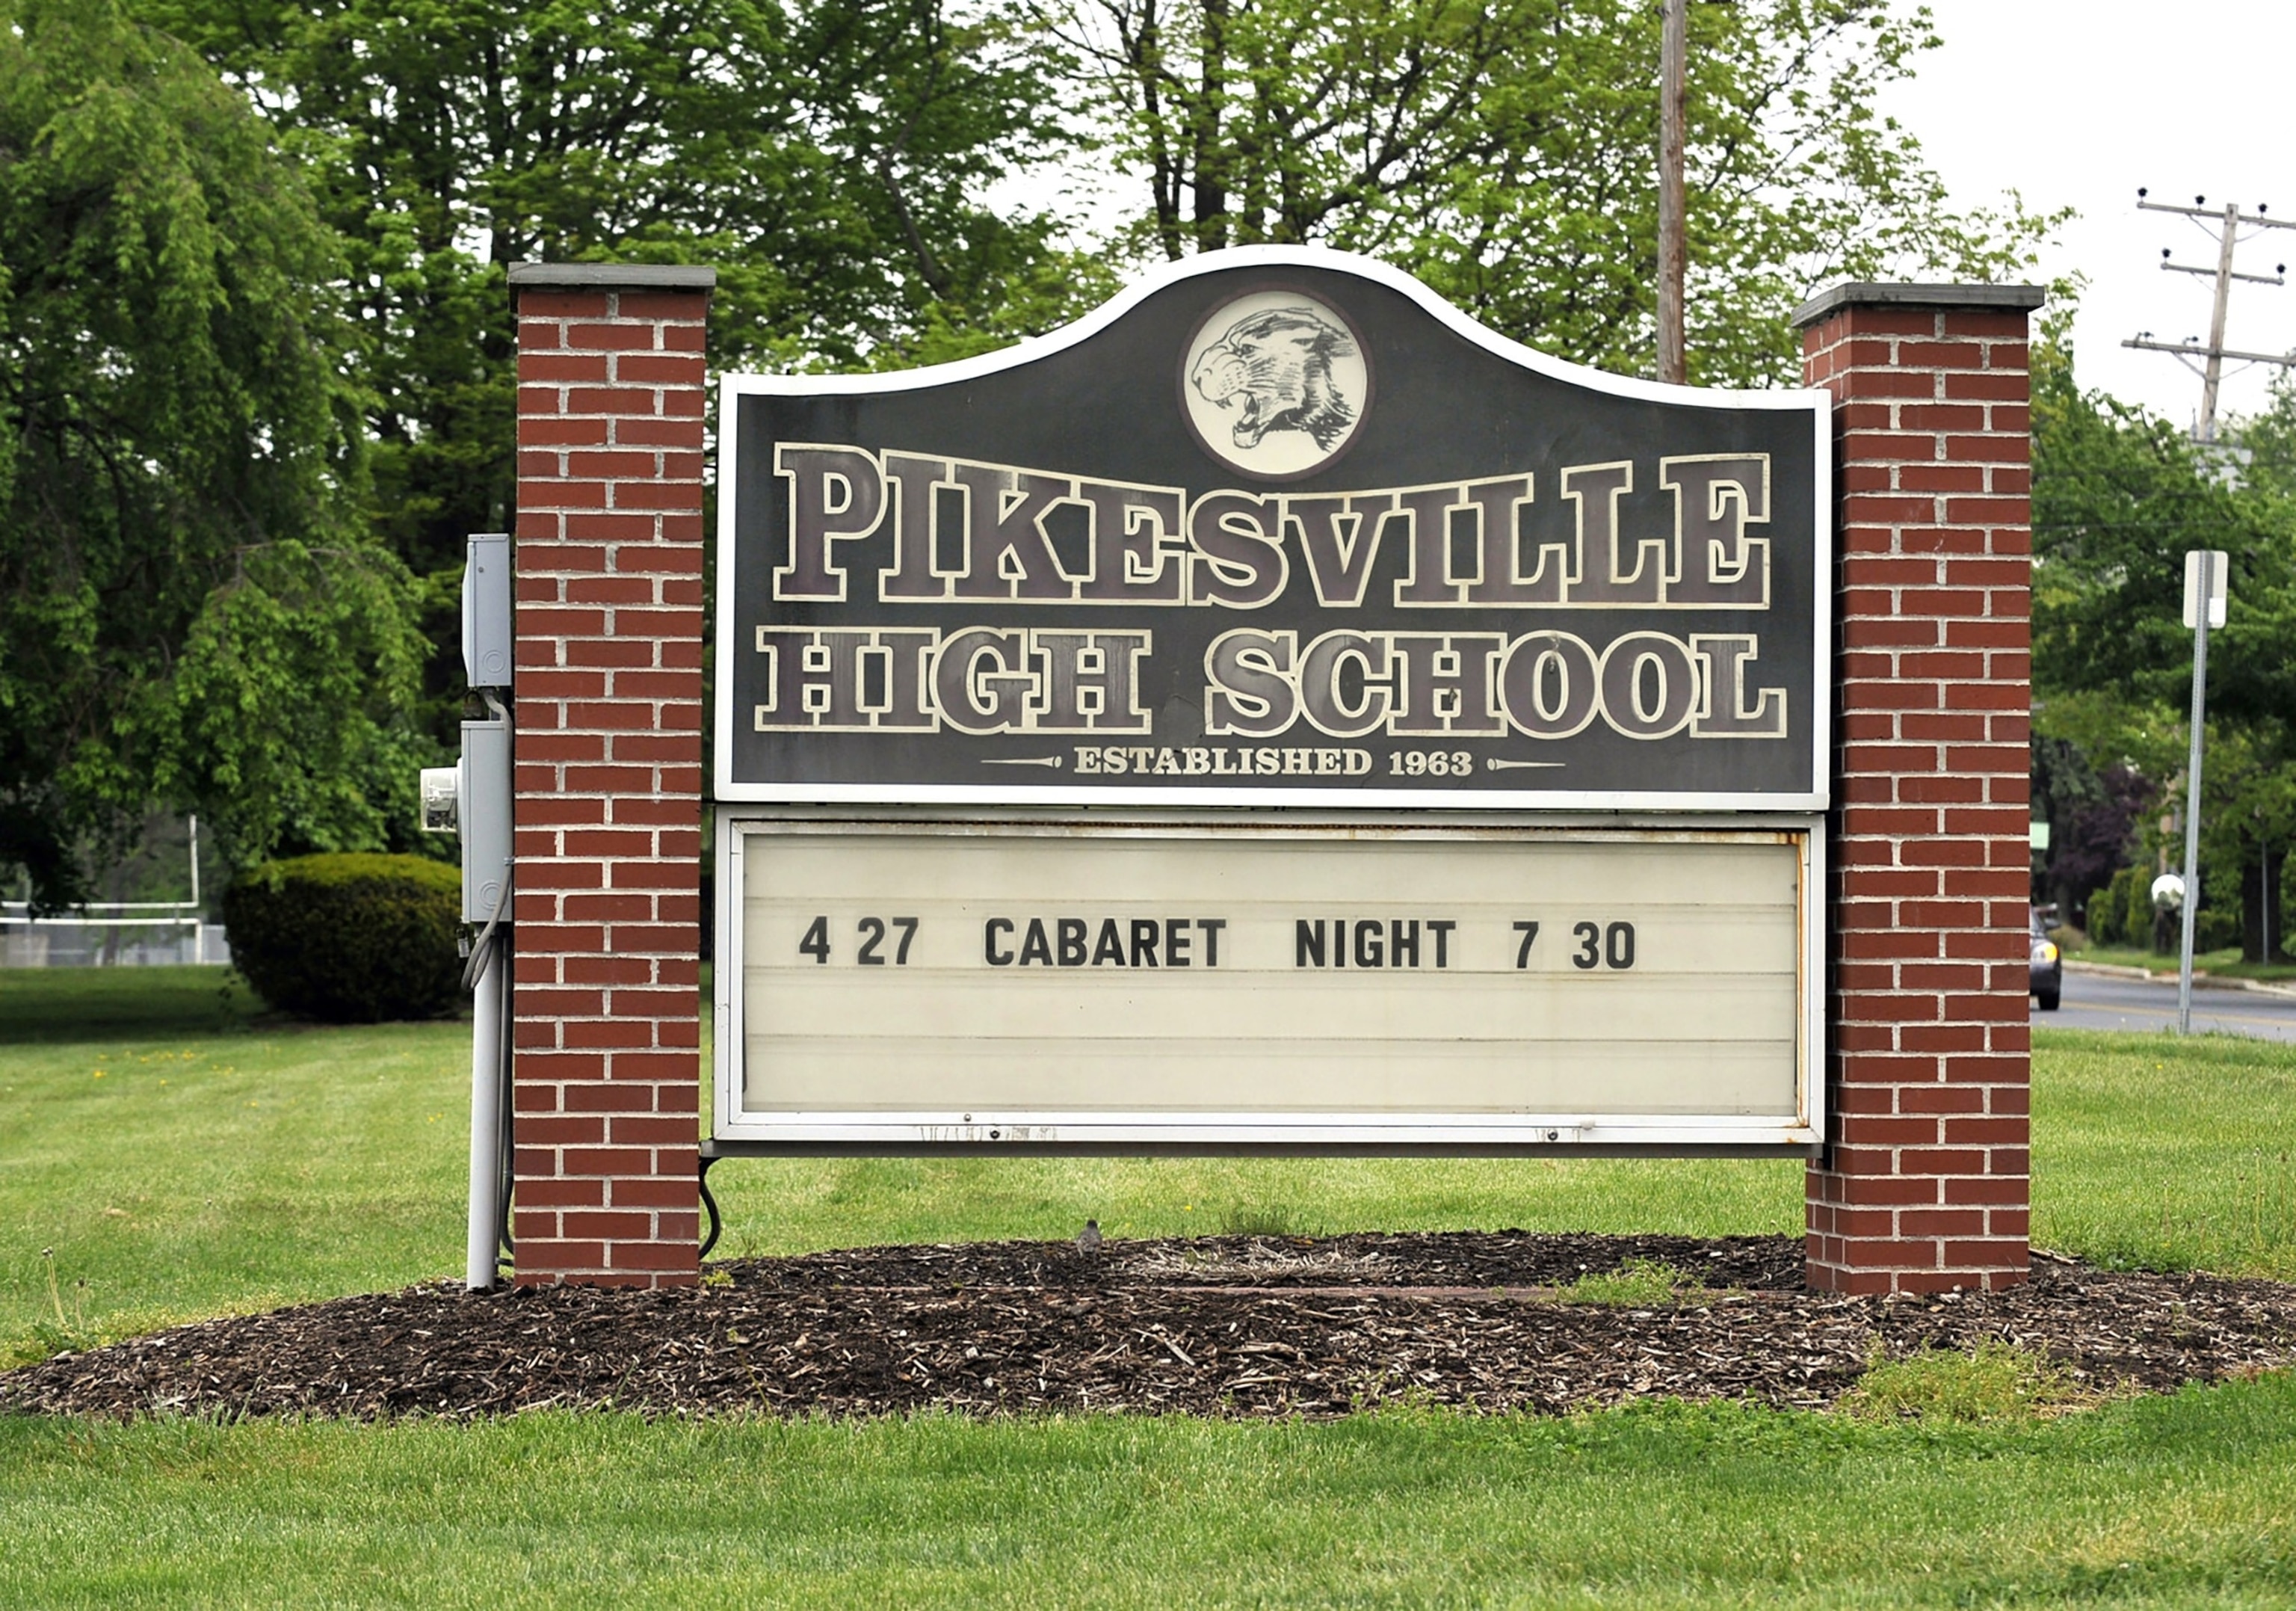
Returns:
point(1277, 525)
point(1275, 262)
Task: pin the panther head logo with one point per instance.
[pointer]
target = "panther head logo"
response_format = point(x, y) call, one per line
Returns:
point(1273, 371)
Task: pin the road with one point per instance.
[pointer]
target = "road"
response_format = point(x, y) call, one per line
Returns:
point(2105, 1001)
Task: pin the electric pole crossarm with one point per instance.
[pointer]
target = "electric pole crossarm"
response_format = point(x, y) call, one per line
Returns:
point(2227, 222)
point(2213, 213)
point(2211, 274)
point(2193, 350)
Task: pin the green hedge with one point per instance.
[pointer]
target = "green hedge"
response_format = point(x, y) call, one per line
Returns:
point(2216, 927)
point(351, 938)
point(2121, 912)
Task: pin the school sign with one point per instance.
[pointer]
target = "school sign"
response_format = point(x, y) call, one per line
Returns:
point(1285, 530)
point(1276, 712)
point(1276, 715)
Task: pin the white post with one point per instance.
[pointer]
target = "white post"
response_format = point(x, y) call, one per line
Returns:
point(486, 1122)
point(2193, 794)
point(198, 927)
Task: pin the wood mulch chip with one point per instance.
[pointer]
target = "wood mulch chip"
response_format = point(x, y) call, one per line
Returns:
point(1221, 1325)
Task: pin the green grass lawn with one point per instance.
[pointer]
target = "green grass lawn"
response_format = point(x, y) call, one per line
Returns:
point(2186, 1502)
point(165, 1154)
point(2225, 963)
point(2157, 1154)
point(224, 1160)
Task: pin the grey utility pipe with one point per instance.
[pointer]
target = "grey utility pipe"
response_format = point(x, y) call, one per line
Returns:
point(486, 1118)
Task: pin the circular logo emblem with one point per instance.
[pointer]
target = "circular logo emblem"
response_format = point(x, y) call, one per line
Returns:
point(1274, 383)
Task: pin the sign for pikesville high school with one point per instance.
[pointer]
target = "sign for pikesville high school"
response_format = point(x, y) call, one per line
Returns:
point(1274, 530)
point(1275, 527)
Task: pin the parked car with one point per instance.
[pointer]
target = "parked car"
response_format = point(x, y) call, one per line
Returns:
point(2045, 971)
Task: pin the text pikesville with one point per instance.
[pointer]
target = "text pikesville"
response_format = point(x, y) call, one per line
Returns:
point(1152, 546)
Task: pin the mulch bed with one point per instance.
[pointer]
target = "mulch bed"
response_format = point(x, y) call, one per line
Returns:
point(1221, 1325)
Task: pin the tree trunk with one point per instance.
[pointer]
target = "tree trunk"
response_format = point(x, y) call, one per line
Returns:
point(1211, 159)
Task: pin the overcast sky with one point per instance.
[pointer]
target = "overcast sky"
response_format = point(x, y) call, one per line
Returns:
point(2077, 103)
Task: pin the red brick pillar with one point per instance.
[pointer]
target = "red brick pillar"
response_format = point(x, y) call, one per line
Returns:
point(606, 1003)
point(1925, 1184)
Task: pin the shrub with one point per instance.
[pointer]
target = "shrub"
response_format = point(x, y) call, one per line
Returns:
point(2215, 928)
point(2121, 913)
point(349, 939)
point(2108, 911)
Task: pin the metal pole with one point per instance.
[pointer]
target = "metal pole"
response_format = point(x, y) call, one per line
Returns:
point(1674, 50)
point(2192, 802)
point(2207, 432)
point(485, 1122)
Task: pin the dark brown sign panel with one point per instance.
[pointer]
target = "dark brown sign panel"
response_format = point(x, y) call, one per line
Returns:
point(1276, 526)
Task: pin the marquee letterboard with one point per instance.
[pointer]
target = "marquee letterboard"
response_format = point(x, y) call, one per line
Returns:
point(1275, 527)
point(1034, 983)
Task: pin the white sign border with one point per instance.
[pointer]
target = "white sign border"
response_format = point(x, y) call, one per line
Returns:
point(732, 388)
point(925, 1132)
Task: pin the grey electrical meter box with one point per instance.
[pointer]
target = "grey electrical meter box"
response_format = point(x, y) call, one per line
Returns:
point(485, 813)
point(487, 649)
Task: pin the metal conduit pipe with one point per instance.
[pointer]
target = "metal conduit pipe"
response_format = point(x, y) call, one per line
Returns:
point(486, 1217)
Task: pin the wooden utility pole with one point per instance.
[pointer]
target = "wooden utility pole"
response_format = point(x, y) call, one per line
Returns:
point(2228, 228)
point(1674, 48)
point(2228, 238)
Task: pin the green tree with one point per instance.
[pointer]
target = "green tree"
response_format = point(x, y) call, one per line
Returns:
point(1505, 150)
point(2120, 496)
point(2265, 446)
point(828, 157)
point(188, 611)
point(2094, 812)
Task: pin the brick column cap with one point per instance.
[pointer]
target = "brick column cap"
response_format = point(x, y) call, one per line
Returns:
point(1867, 293)
point(612, 276)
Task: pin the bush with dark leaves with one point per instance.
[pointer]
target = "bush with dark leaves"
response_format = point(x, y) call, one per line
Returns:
point(349, 939)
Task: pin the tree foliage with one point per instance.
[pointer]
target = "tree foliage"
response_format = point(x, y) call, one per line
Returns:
point(828, 157)
point(187, 612)
point(2120, 497)
point(2095, 813)
point(1505, 150)
point(236, 400)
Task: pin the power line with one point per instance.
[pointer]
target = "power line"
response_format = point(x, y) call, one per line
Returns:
point(2227, 228)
